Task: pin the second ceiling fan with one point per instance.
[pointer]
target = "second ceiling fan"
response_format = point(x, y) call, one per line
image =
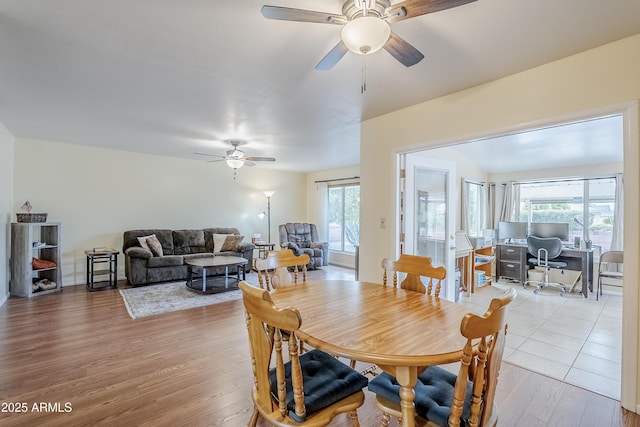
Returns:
point(366, 26)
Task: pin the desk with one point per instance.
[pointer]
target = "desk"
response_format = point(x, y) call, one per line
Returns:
point(400, 331)
point(512, 263)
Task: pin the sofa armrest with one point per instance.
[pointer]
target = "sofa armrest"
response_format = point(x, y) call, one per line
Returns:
point(246, 246)
point(137, 252)
point(325, 251)
point(294, 247)
point(246, 249)
point(320, 245)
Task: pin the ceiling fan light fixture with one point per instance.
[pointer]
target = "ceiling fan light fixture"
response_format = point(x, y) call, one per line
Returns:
point(234, 163)
point(366, 34)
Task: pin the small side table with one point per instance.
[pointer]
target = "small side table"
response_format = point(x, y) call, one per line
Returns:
point(102, 256)
point(263, 248)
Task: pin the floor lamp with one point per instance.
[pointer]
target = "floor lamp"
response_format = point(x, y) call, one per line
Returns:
point(268, 213)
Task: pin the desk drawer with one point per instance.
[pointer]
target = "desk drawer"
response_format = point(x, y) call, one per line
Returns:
point(510, 269)
point(511, 253)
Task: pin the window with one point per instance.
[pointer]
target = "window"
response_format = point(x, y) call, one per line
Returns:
point(344, 217)
point(589, 201)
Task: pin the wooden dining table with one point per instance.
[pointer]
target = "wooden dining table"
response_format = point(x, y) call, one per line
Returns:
point(401, 331)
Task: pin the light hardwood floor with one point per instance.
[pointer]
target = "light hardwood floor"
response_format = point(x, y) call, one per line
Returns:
point(191, 368)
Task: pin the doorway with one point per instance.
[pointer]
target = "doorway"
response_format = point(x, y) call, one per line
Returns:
point(565, 148)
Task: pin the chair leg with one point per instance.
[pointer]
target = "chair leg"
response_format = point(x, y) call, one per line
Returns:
point(254, 418)
point(386, 418)
point(354, 418)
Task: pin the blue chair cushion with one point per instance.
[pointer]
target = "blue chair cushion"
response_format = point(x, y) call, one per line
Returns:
point(326, 380)
point(434, 394)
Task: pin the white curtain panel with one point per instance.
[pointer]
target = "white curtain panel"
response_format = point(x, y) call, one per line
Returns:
point(618, 216)
point(322, 195)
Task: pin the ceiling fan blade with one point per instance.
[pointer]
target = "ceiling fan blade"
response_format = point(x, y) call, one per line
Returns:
point(260, 159)
point(210, 155)
point(412, 8)
point(402, 51)
point(301, 15)
point(332, 58)
point(249, 163)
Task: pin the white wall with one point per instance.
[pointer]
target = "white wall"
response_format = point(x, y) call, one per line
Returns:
point(6, 208)
point(313, 205)
point(594, 82)
point(98, 193)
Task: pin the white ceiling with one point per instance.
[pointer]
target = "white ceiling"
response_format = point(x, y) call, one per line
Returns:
point(178, 77)
point(585, 142)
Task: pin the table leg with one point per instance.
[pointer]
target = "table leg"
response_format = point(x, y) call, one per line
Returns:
point(407, 377)
point(115, 270)
point(88, 275)
point(204, 280)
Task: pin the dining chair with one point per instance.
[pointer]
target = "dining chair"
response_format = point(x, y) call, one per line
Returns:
point(610, 267)
point(273, 270)
point(415, 268)
point(443, 398)
point(310, 389)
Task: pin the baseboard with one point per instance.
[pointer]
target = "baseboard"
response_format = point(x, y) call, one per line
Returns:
point(344, 265)
point(4, 299)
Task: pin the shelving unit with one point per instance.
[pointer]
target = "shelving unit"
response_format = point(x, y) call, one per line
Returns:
point(46, 236)
point(487, 267)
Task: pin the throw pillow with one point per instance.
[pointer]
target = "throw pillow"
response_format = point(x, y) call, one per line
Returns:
point(143, 241)
point(232, 243)
point(154, 245)
point(218, 241)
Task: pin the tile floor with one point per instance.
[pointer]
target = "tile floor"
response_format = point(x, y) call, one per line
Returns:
point(569, 338)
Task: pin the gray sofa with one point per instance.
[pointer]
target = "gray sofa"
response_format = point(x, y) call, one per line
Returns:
point(142, 267)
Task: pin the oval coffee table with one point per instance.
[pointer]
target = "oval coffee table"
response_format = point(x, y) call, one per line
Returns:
point(214, 263)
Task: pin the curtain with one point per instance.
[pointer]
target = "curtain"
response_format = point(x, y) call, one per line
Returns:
point(618, 216)
point(491, 191)
point(464, 217)
point(322, 196)
point(510, 202)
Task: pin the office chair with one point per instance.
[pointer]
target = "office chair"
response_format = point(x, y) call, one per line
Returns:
point(546, 250)
point(610, 267)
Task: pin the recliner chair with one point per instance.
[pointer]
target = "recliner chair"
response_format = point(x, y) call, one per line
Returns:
point(545, 250)
point(302, 238)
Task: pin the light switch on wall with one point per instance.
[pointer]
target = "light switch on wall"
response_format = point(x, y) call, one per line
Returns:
point(383, 222)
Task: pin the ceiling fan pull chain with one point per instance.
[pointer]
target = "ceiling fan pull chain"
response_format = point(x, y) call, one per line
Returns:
point(363, 86)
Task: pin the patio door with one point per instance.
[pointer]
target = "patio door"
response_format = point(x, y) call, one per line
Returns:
point(428, 220)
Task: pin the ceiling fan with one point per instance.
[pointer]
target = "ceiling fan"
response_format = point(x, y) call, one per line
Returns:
point(235, 158)
point(366, 26)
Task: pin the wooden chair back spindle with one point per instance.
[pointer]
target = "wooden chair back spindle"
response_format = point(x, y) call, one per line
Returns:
point(415, 268)
point(273, 270)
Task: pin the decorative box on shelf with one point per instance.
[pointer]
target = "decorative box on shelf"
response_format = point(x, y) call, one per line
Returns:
point(31, 217)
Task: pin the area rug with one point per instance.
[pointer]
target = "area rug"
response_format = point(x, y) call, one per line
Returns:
point(158, 299)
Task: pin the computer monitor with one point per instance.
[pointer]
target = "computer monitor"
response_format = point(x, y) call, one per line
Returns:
point(512, 230)
point(550, 229)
